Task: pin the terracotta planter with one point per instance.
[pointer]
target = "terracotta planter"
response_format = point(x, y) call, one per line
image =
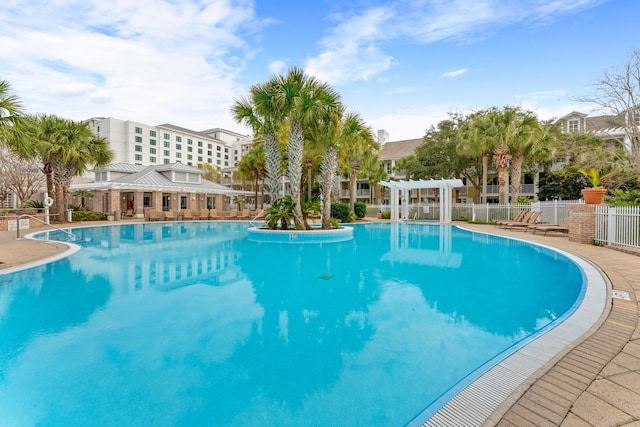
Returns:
point(594, 196)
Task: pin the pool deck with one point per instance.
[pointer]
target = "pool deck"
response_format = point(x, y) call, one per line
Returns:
point(595, 382)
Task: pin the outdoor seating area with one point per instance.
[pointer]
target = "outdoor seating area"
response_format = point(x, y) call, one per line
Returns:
point(203, 215)
point(563, 228)
point(522, 221)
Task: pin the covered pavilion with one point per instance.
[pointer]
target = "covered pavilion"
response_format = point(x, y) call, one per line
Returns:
point(400, 191)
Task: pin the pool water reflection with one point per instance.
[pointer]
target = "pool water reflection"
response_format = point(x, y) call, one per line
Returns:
point(193, 324)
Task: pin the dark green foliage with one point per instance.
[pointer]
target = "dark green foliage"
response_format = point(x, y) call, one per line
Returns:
point(563, 184)
point(340, 211)
point(623, 198)
point(386, 215)
point(281, 213)
point(75, 207)
point(88, 216)
point(360, 209)
point(35, 204)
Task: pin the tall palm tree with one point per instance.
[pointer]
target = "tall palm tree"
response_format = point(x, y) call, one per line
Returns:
point(259, 112)
point(12, 126)
point(301, 99)
point(525, 140)
point(476, 141)
point(356, 142)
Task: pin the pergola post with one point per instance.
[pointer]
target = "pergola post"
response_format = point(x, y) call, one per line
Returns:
point(445, 187)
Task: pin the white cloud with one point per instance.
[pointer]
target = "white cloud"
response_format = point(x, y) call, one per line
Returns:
point(277, 67)
point(149, 60)
point(410, 123)
point(455, 73)
point(354, 50)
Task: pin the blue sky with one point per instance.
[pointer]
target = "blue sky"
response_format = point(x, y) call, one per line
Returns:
point(403, 64)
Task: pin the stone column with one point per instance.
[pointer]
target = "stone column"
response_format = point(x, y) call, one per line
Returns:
point(138, 202)
point(582, 223)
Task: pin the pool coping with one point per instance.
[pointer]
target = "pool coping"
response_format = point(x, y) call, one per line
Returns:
point(478, 401)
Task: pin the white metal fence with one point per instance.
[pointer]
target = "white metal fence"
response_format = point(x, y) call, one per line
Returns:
point(618, 226)
point(553, 212)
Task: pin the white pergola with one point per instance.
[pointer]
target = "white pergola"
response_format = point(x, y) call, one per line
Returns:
point(445, 187)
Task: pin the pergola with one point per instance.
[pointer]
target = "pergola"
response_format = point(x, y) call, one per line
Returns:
point(445, 187)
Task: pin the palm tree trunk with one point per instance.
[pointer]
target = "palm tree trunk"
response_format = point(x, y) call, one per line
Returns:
point(502, 159)
point(296, 145)
point(328, 170)
point(352, 188)
point(516, 175)
point(309, 165)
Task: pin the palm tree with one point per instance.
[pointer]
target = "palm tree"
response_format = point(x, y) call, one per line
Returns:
point(66, 149)
point(356, 142)
point(526, 139)
point(12, 125)
point(475, 141)
point(259, 113)
point(211, 172)
point(253, 165)
point(301, 100)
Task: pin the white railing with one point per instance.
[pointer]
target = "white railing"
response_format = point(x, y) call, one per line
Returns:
point(553, 212)
point(618, 226)
point(360, 193)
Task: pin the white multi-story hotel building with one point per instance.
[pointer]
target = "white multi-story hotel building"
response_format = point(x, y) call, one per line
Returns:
point(147, 145)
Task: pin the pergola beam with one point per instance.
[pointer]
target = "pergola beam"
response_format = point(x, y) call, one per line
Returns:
point(445, 186)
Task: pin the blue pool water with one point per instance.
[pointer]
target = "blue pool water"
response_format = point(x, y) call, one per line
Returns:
point(188, 324)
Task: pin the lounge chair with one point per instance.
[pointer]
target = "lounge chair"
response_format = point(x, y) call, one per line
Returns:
point(213, 214)
point(153, 215)
point(129, 213)
point(169, 216)
point(233, 214)
point(518, 218)
point(522, 219)
point(526, 223)
point(563, 227)
point(187, 215)
point(204, 214)
point(245, 214)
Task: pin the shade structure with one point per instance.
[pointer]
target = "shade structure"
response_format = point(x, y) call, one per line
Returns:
point(400, 189)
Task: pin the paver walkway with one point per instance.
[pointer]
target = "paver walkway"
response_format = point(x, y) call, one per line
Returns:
point(596, 383)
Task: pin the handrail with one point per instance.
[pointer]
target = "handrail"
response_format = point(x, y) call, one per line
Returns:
point(73, 236)
point(256, 217)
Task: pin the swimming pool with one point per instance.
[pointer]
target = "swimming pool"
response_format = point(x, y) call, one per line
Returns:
point(193, 324)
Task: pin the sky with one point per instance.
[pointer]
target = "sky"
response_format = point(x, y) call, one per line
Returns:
point(402, 64)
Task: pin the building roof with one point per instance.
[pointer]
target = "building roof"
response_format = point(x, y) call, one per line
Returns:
point(151, 178)
point(598, 123)
point(398, 149)
point(120, 167)
point(185, 130)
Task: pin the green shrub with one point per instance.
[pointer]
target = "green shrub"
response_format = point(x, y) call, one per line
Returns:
point(360, 209)
point(386, 215)
point(88, 216)
point(36, 204)
point(340, 211)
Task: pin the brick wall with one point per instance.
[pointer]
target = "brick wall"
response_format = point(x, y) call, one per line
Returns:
point(4, 221)
point(582, 223)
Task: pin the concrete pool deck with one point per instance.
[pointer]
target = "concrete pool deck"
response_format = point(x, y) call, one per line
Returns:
point(594, 382)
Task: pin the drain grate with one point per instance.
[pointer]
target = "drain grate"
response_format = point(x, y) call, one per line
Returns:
point(620, 295)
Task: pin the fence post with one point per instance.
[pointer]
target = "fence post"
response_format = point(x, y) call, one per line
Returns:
point(611, 226)
point(473, 212)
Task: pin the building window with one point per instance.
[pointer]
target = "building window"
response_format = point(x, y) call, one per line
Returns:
point(199, 150)
point(166, 161)
point(152, 133)
point(574, 125)
point(139, 139)
point(189, 157)
point(226, 150)
point(152, 141)
point(226, 163)
point(98, 128)
point(218, 162)
point(167, 153)
point(209, 153)
point(218, 155)
point(167, 144)
point(200, 159)
point(226, 157)
point(152, 159)
point(146, 200)
point(190, 149)
point(139, 148)
point(217, 148)
point(167, 136)
point(178, 146)
point(189, 141)
point(138, 130)
point(152, 150)
point(178, 138)
point(178, 155)
point(209, 160)
point(138, 157)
